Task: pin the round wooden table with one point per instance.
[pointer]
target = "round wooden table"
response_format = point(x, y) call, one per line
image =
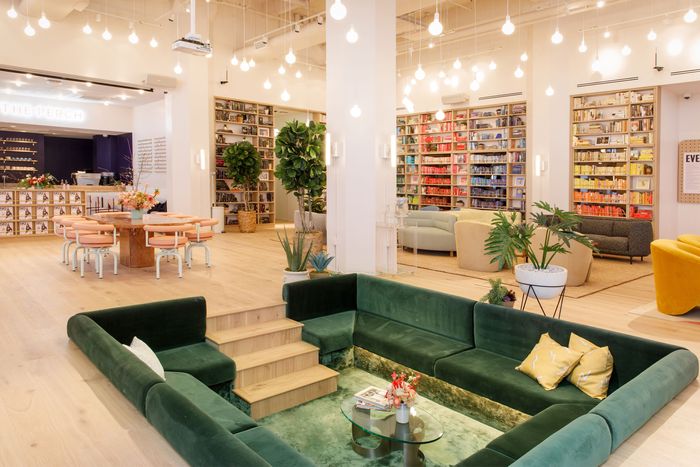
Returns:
point(133, 252)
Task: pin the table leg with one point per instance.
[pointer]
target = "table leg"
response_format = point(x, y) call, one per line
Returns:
point(412, 455)
point(133, 252)
point(382, 449)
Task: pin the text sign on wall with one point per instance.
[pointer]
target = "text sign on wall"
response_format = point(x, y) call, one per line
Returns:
point(691, 173)
point(50, 113)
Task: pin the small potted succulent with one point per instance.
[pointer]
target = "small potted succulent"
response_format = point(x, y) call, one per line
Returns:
point(320, 262)
point(297, 256)
point(499, 294)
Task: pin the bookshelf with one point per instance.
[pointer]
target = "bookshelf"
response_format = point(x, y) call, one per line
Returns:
point(614, 154)
point(19, 156)
point(236, 120)
point(474, 158)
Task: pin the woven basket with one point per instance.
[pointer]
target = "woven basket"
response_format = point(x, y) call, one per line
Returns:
point(247, 221)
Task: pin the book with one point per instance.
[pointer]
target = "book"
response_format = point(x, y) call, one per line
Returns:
point(372, 397)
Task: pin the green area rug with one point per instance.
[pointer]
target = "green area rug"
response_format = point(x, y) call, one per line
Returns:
point(320, 431)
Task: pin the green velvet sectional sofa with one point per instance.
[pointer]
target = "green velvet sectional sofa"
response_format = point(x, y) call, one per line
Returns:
point(476, 346)
point(200, 424)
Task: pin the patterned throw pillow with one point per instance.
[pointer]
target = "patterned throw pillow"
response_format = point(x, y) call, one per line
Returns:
point(549, 362)
point(592, 374)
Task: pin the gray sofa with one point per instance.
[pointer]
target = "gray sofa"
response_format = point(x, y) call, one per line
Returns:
point(621, 237)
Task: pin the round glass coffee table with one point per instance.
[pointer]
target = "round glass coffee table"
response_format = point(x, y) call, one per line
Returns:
point(422, 428)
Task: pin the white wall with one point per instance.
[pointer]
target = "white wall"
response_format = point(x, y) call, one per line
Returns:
point(149, 122)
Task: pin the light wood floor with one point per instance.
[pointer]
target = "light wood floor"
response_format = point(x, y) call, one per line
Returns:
point(57, 409)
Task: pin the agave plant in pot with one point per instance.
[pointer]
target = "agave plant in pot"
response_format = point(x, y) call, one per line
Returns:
point(244, 166)
point(320, 262)
point(301, 169)
point(297, 256)
point(509, 238)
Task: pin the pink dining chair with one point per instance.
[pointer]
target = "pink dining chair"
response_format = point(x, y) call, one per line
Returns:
point(58, 230)
point(69, 235)
point(97, 239)
point(168, 239)
point(198, 237)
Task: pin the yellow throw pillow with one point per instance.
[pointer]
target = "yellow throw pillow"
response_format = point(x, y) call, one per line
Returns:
point(549, 362)
point(592, 374)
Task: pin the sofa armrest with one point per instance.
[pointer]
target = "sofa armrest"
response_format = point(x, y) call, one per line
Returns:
point(162, 325)
point(640, 237)
point(320, 297)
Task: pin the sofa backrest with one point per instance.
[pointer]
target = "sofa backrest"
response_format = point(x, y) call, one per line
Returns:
point(596, 226)
point(513, 333)
point(127, 373)
point(320, 297)
point(482, 215)
point(444, 220)
point(443, 314)
point(161, 325)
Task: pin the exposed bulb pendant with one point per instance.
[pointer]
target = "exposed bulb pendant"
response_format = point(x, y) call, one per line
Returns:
point(435, 28)
point(298, 74)
point(518, 72)
point(492, 65)
point(557, 37)
point(474, 85)
point(407, 89)
point(439, 115)
point(442, 74)
point(355, 111)
point(106, 35)
point(690, 16)
point(626, 50)
point(508, 27)
point(234, 60)
point(290, 57)
point(29, 30)
point(651, 36)
point(549, 92)
point(582, 47)
point(178, 68)
point(457, 64)
point(434, 86)
point(351, 36)
point(267, 84)
point(595, 66)
point(12, 13)
point(133, 37)
point(524, 57)
point(44, 22)
point(245, 66)
point(281, 70)
point(87, 29)
point(285, 96)
point(606, 34)
point(153, 43)
point(338, 10)
point(480, 76)
point(600, 3)
point(420, 73)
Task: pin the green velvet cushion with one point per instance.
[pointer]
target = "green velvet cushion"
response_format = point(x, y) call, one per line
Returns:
point(320, 297)
point(206, 400)
point(127, 373)
point(494, 376)
point(443, 314)
point(275, 451)
point(486, 458)
point(161, 325)
point(193, 434)
point(584, 442)
point(636, 402)
point(330, 333)
point(519, 440)
point(513, 334)
point(403, 344)
point(201, 360)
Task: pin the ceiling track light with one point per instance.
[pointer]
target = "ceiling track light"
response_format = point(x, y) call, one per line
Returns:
point(338, 10)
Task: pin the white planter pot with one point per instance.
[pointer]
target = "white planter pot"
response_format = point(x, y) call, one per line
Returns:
point(551, 280)
point(295, 276)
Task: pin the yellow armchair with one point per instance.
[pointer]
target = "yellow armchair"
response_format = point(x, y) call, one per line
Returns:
point(690, 239)
point(676, 276)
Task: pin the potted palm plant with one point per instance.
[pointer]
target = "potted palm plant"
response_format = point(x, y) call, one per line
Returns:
point(244, 166)
point(301, 169)
point(508, 238)
point(297, 256)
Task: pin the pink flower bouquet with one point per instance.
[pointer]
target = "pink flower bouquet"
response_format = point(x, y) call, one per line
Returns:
point(402, 390)
point(138, 200)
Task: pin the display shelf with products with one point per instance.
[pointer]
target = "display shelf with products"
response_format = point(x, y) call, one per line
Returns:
point(234, 121)
point(475, 157)
point(614, 153)
point(26, 212)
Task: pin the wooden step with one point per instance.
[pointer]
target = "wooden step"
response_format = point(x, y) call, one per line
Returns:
point(271, 363)
point(281, 393)
point(248, 339)
point(226, 319)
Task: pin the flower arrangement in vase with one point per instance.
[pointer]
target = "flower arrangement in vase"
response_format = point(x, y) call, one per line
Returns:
point(401, 394)
point(43, 181)
point(137, 201)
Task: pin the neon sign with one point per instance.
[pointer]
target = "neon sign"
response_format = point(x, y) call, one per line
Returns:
point(50, 113)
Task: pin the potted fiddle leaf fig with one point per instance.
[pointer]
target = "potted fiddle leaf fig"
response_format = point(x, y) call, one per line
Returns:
point(509, 238)
point(244, 165)
point(301, 169)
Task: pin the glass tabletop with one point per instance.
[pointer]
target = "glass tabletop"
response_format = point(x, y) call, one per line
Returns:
point(422, 428)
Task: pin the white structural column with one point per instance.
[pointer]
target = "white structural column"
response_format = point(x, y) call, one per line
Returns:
point(361, 178)
point(187, 135)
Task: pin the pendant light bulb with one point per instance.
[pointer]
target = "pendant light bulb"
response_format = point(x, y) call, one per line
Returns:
point(413, 81)
point(245, 66)
point(285, 96)
point(44, 22)
point(690, 16)
point(492, 65)
point(508, 27)
point(351, 36)
point(651, 36)
point(338, 10)
point(434, 86)
point(435, 28)
point(457, 64)
point(582, 47)
point(407, 89)
point(106, 35)
point(29, 30)
point(607, 34)
point(549, 92)
point(290, 57)
point(12, 13)
point(557, 37)
point(439, 115)
point(87, 29)
point(600, 3)
point(153, 43)
point(355, 111)
point(441, 74)
point(626, 50)
point(519, 72)
point(298, 74)
point(281, 70)
point(133, 37)
point(523, 57)
point(420, 73)
point(267, 84)
point(178, 69)
point(474, 85)
point(234, 60)
point(480, 76)
point(251, 63)
point(595, 66)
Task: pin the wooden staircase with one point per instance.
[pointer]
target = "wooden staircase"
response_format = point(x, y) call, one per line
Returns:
point(275, 369)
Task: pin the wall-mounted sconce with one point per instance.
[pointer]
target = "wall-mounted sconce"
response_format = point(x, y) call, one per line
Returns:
point(387, 150)
point(333, 150)
point(540, 165)
point(201, 159)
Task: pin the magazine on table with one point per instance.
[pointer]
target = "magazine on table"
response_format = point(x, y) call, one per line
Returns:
point(372, 397)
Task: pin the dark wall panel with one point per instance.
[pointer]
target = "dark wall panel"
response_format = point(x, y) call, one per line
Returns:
point(63, 156)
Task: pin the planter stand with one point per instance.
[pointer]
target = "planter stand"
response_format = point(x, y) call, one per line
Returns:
point(532, 289)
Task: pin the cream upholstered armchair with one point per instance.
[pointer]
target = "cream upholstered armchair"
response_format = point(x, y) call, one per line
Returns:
point(470, 237)
point(578, 261)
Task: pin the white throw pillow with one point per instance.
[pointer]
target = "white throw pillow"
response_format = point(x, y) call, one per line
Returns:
point(146, 355)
